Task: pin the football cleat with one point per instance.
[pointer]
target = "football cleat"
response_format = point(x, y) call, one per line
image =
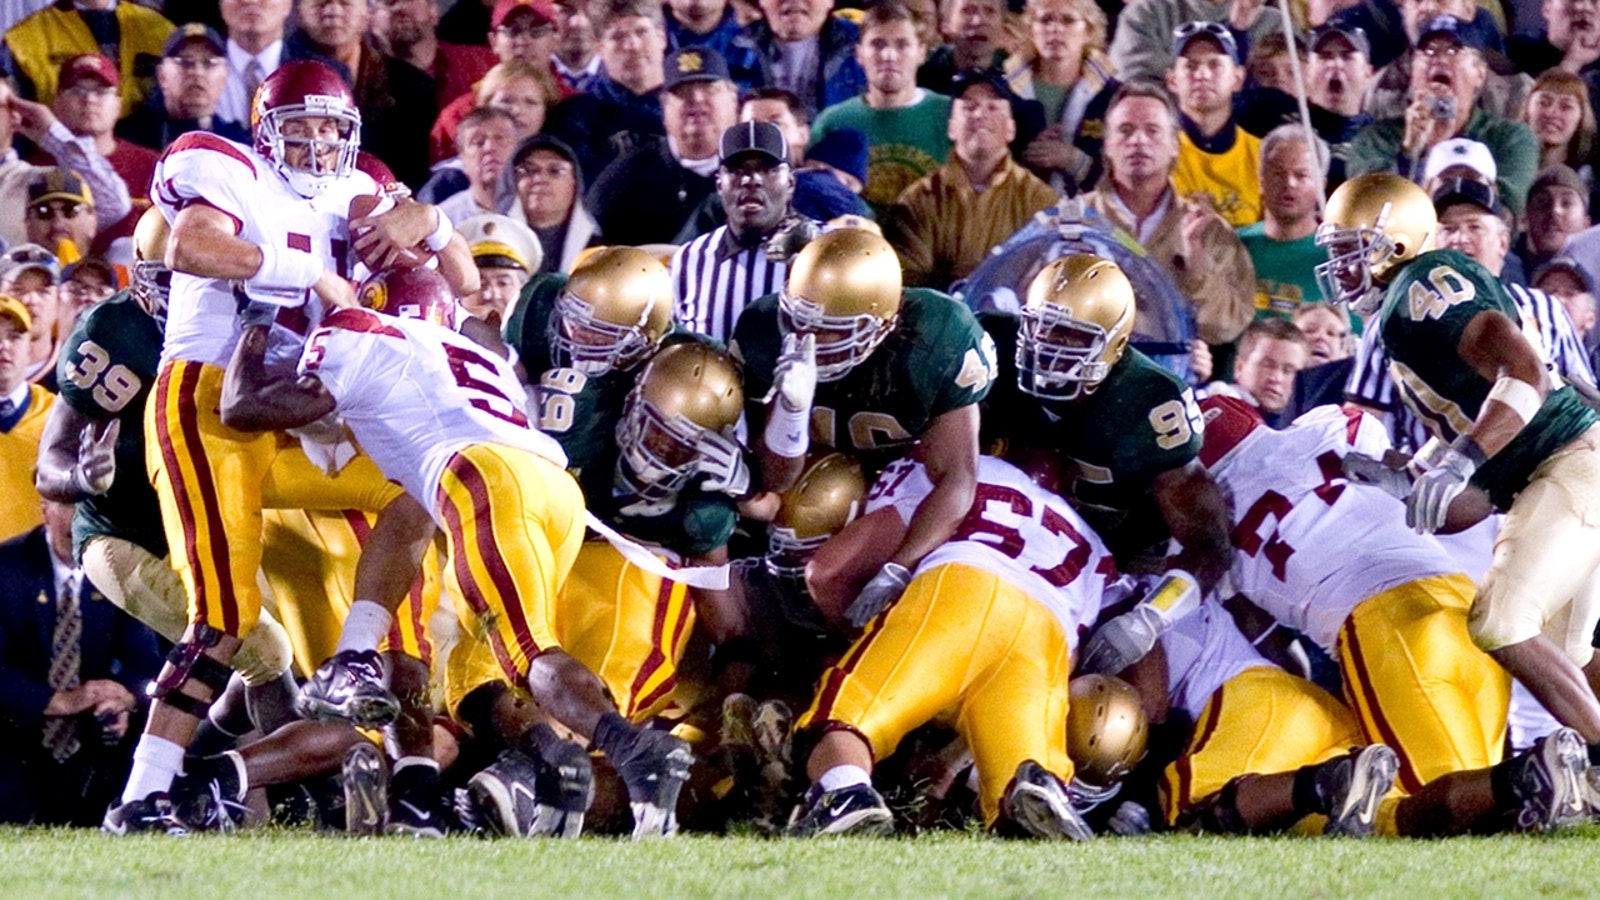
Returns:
point(857, 809)
point(1591, 790)
point(209, 796)
point(1548, 780)
point(1037, 803)
point(537, 796)
point(351, 687)
point(151, 815)
point(411, 819)
point(366, 790)
point(654, 768)
point(1353, 784)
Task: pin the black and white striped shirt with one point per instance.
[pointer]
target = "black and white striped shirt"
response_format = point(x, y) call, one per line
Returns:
point(1544, 322)
point(714, 279)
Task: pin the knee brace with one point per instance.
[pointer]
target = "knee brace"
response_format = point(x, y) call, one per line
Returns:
point(188, 661)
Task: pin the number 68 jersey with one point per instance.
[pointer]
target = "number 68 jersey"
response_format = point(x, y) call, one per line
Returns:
point(414, 394)
point(1018, 531)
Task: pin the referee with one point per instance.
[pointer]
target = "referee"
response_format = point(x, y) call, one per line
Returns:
point(718, 273)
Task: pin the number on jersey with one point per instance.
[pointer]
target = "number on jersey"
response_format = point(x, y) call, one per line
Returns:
point(980, 366)
point(111, 386)
point(1449, 288)
point(868, 430)
point(983, 525)
point(490, 398)
point(1176, 422)
point(1273, 505)
point(558, 389)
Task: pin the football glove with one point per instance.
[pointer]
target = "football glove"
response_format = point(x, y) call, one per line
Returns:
point(96, 467)
point(790, 237)
point(794, 381)
point(884, 588)
point(1362, 469)
point(722, 463)
point(1125, 640)
point(1429, 500)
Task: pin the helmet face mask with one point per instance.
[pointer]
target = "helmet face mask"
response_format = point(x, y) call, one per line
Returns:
point(658, 453)
point(592, 345)
point(1373, 224)
point(298, 92)
point(843, 342)
point(1353, 255)
point(1074, 326)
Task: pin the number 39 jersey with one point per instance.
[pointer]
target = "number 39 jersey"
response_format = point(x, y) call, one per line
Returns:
point(1310, 546)
point(414, 394)
point(1018, 531)
point(1423, 317)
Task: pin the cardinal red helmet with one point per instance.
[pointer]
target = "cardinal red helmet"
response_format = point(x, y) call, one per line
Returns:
point(379, 172)
point(411, 293)
point(306, 89)
point(1229, 421)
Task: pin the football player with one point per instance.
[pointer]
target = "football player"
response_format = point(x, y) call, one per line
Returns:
point(844, 354)
point(1070, 382)
point(1504, 423)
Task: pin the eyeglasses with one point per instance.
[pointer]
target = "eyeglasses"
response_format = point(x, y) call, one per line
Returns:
point(524, 31)
point(1210, 29)
point(65, 209)
point(1439, 49)
point(84, 91)
point(553, 171)
point(190, 64)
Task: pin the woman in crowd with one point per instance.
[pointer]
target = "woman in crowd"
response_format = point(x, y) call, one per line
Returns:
point(1065, 68)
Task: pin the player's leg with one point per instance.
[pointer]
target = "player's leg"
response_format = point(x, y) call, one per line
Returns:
point(1418, 684)
point(1539, 789)
point(210, 794)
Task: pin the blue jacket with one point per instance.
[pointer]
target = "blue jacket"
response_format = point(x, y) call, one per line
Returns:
point(755, 52)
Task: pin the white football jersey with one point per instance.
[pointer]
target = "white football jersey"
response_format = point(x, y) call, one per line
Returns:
point(1310, 546)
point(1017, 530)
point(1204, 649)
point(414, 394)
point(201, 168)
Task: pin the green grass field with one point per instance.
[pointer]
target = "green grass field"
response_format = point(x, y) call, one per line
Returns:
point(295, 864)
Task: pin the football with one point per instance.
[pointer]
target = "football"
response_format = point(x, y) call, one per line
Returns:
point(371, 204)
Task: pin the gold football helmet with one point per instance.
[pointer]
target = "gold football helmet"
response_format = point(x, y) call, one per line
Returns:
point(152, 280)
point(686, 391)
point(844, 287)
point(1075, 326)
point(1106, 729)
point(828, 496)
point(616, 309)
point(1373, 223)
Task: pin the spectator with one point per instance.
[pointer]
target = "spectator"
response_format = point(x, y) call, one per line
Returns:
point(395, 97)
point(548, 182)
point(647, 195)
point(126, 32)
point(1556, 212)
point(72, 670)
point(23, 409)
point(622, 110)
point(1271, 353)
point(526, 88)
point(1282, 246)
point(1067, 71)
point(947, 222)
point(191, 76)
point(409, 33)
point(800, 47)
point(83, 284)
point(30, 274)
point(1142, 45)
point(822, 190)
point(507, 254)
point(1190, 241)
point(466, 22)
point(906, 126)
point(1327, 331)
point(1269, 66)
point(1338, 71)
point(1447, 74)
point(61, 214)
point(783, 109)
point(1564, 280)
point(716, 275)
point(1559, 113)
point(1503, 90)
point(973, 30)
point(1570, 42)
point(488, 136)
point(1216, 158)
point(255, 49)
point(1472, 220)
point(38, 124)
point(87, 104)
point(576, 64)
point(702, 23)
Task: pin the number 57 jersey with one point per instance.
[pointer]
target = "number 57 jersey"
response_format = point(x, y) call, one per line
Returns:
point(1018, 531)
point(1310, 546)
point(414, 394)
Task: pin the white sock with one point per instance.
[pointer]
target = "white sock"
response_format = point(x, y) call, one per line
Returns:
point(365, 627)
point(156, 762)
point(237, 759)
point(406, 761)
point(842, 777)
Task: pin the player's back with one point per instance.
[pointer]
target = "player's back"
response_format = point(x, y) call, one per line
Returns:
point(1204, 650)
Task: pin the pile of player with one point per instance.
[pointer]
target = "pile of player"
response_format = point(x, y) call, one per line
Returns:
point(913, 526)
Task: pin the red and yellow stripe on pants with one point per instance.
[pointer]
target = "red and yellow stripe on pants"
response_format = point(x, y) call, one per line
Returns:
point(514, 523)
point(1418, 683)
point(213, 483)
point(624, 624)
point(1259, 722)
point(967, 648)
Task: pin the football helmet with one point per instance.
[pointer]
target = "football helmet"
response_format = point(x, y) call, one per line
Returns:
point(1372, 224)
point(152, 280)
point(410, 293)
point(684, 392)
point(1075, 325)
point(828, 496)
point(298, 90)
point(379, 171)
point(616, 309)
point(1106, 729)
point(1228, 422)
point(844, 287)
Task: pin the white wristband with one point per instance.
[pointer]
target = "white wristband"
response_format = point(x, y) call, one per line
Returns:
point(441, 235)
point(786, 433)
point(1522, 397)
point(283, 268)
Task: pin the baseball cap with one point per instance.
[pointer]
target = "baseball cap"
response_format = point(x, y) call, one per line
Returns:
point(59, 184)
point(13, 309)
point(1465, 190)
point(501, 242)
point(1460, 152)
point(194, 31)
point(89, 65)
point(544, 9)
point(1189, 32)
point(24, 257)
point(1563, 264)
point(758, 138)
point(687, 65)
point(1558, 176)
point(107, 271)
point(993, 78)
point(1354, 34)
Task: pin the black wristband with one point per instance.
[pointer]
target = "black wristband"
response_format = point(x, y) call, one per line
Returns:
point(1468, 447)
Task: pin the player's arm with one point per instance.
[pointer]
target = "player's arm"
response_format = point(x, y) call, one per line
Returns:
point(1496, 349)
point(77, 456)
point(254, 400)
point(203, 243)
point(1197, 515)
point(457, 267)
point(847, 560)
point(381, 239)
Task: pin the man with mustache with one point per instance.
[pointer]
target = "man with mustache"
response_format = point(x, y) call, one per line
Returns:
point(800, 46)
point(1338, 70)
point(192, 74)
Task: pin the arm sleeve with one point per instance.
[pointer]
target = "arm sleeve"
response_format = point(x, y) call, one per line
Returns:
point(1142, 46)
point(112, 201)
point(203, 168)
point(1516, 157)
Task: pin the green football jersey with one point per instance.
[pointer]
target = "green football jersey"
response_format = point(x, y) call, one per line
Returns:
point(693, 523)
point(1424, 314)
point(106, 369)
point(936, 360)
point(1139, 422)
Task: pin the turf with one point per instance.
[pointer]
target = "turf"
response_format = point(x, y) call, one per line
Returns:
point(284, 864)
